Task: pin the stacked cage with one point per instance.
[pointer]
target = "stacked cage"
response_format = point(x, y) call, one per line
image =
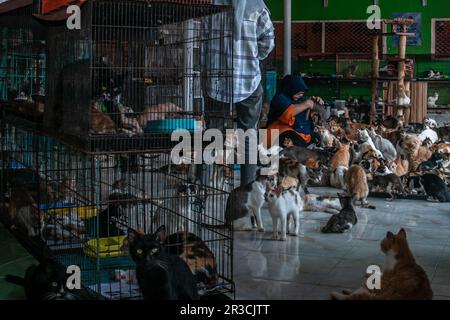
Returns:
point(102, 168)
point(134, 72)
point(22, 64)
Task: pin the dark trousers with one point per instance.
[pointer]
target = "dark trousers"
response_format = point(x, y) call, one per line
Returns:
point(248, 114)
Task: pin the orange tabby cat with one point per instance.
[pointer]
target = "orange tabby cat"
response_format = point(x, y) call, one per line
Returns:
point(402, 278)
point(341, 157)
point(357, 186)
point(400, 167)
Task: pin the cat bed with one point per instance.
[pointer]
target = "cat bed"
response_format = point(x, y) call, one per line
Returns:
point(105, 247)
point(170, 125)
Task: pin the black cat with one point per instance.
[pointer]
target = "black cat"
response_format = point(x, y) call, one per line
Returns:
point(160, 274)
point(344, 220)
point(435, 187)
point(44, 282)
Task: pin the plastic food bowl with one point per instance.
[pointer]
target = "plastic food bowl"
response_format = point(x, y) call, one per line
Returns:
point(107, 247)
point(170, 125)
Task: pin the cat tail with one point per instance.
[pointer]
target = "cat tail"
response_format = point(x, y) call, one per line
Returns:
point(15, 280)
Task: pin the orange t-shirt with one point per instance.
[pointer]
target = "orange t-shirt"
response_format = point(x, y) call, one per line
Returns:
point(283, 124)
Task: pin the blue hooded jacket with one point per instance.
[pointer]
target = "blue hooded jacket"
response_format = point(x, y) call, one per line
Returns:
point(291, 85)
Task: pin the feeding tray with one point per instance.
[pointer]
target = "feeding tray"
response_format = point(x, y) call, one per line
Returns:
point(83, 212)
point(105, 247)
point(171, 125)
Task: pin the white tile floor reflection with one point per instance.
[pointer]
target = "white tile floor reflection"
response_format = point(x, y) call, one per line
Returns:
point(314, 264)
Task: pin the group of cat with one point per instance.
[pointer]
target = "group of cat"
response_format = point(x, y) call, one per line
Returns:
point(392, 158)
point(109, 116)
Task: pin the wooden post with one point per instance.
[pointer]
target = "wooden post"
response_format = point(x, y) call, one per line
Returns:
point(401, 92)
point(375, 76)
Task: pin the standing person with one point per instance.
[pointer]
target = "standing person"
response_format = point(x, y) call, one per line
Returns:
point(253, 40)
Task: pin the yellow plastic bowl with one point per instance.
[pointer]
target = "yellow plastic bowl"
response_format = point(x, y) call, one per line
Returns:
point(108, 247)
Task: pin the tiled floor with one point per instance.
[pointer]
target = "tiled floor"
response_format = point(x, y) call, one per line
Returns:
point(13, 260)
point(314, 264)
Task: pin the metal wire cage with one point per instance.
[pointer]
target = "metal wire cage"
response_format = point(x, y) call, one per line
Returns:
point(138, 70)
point(22, 64)
point(78, 208)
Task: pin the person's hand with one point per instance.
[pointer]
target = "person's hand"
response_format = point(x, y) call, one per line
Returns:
point(309, 104)
point(318, 100)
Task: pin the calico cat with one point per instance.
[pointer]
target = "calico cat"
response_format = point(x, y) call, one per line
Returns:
point(197, 255)
point(295, 169)
point(344, 220)
point(357, 186)
point(282, 206)
point(246, 201)
point(161, 275)
point(402, 278)
point(24, 212)
point(101, 123)
point(435, 187)
point(44, 282)
point(389, 183)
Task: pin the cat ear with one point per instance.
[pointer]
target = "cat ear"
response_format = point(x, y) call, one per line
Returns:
point(161, 234)
point(402, 233)
point(390, 235)
point(132, 235)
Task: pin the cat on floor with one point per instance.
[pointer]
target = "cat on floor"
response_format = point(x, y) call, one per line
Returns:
point(246, 202)
point(161, 275)
point(284, 204)
point(344, 220)
point(402, 278)
point(357, 186)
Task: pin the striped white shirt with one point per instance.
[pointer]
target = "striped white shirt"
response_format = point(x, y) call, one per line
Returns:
point(256, 42)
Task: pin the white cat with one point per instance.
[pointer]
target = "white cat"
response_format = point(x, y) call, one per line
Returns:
point(430, 134)
point(367, 141)
point(282, 206)
point(432, 100)
point(384, 145)
point(337, 177)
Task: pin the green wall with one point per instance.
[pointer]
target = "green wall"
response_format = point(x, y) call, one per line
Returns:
point(356, 9)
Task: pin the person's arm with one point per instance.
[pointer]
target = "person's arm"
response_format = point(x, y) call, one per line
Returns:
point(300, 107)
point(265, 35)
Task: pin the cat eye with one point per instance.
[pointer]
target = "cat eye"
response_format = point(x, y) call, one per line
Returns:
point(54, 284)
point(139, 251)
point(155, 250)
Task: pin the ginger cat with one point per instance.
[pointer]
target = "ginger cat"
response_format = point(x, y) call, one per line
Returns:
point(400, 167)
point(357, 186)
point(341, 157)
point(402, 278)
